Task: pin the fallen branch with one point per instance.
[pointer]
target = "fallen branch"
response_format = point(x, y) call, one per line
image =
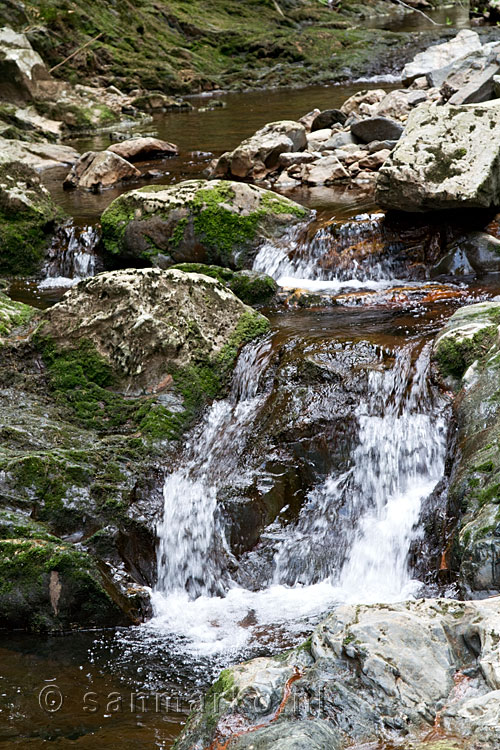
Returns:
point(91, 41)
point(417, 10)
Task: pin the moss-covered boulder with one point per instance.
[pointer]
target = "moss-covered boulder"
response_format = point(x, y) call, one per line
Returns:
point(27, 218)
point(467, 353)
point(47, 584)
point(214, 222)
point(252, 287)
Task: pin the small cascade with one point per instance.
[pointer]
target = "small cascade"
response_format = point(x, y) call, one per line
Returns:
point(192, 554)
point(356, 528)
point(72, 256)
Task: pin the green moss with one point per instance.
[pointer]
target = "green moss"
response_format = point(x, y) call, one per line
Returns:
point(251, 287)
point(454, 355)
point(13, 314)
point(444, 164)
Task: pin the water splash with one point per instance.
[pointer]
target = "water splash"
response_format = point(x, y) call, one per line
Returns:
point(71, 256)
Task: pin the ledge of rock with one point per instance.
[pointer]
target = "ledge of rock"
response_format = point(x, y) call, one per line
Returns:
point(370, 674)
point(216, 222)
point(441, 161)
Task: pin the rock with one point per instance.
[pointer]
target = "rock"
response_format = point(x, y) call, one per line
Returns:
point(371, 96)
point(38, 156)
point(367, 675)
point(23, 75)
point(141, 323)
point(439, 58)
point(467, 353)
point(155, 100)
point(202, 221)
point(96, 170)
point(327, 118)
point(308, 119)
point(252, 287)
point(473, 81)
point(417, 97)
point(317, 140)
point(482, 252)
point(395, 105)
point(340, 140)
point(286, 160)
point(374, 160)
point(381, 145)
point(28, 217)
point(454, 263)
point(441, 161)
point(285, 182)
point(12, 315)
point(377, 129)
point(258, 155)
point(323, 172)
point(143, 149)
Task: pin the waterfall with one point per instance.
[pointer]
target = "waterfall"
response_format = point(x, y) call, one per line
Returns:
point(193, 553)
point(71, 256)
point(356, 528)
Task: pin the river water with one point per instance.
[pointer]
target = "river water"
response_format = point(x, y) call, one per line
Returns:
point(345, 535)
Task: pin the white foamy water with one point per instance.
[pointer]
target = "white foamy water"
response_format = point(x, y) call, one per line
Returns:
point(352, 537)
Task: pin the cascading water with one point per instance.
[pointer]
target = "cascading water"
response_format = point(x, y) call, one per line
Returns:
point(356, 528)
point(71, 257)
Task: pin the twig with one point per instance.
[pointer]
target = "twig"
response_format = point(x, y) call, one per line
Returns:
point(76, 52)
point(278, 8)
point(417, 10)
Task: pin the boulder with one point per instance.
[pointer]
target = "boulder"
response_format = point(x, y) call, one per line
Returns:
point(438, 60)
point(23, 75)
point(258, 155)
point(96, 170)
point(377, 129)
point(339, 140)
point(203, 221)
point(252, 287)
point(441, 162)
point(369, 675)
point(481, 250)
point(143, 149)
point(473, 79)
point(28, 217)
point(327, 118)
point(305, 157)
point(153, 328)
point(467, 352)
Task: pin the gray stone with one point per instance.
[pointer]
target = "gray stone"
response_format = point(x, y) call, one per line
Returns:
point(323, 172)
point(23, 75)
point(381, 145)
point(377, 129)
point(287, 159)
point(340, 140)
point(143, 149)
point(440, 57)
point(441, 161)
point(39, 156)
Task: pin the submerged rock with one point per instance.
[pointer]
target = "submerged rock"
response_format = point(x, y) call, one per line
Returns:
point(27, 219)
point(369, 674)
point(96, 170)
point(441, 161)
point(196, 221)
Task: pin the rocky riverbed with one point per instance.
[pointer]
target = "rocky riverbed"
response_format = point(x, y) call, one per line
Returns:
point(260, 424)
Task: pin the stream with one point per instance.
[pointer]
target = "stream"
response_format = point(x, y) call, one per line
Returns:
point(370, 436)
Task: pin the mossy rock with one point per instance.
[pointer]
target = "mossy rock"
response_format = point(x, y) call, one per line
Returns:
point(46, 584)
point(13, 315)
point(28, 216)
point(252, 287)
point(212, 222)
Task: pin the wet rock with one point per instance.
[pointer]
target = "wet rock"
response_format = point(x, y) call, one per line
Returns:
point(258, 155)
point(96, 170)
point(436, 62)
point(143, 149)
point(327, 118)
point(28, 217)
point(159, 311)
point(440, 161)
point(286, 160)
point(359, 681)
point(467, 353)
point(481, 253)
point(196, 221)
point(377, 129)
